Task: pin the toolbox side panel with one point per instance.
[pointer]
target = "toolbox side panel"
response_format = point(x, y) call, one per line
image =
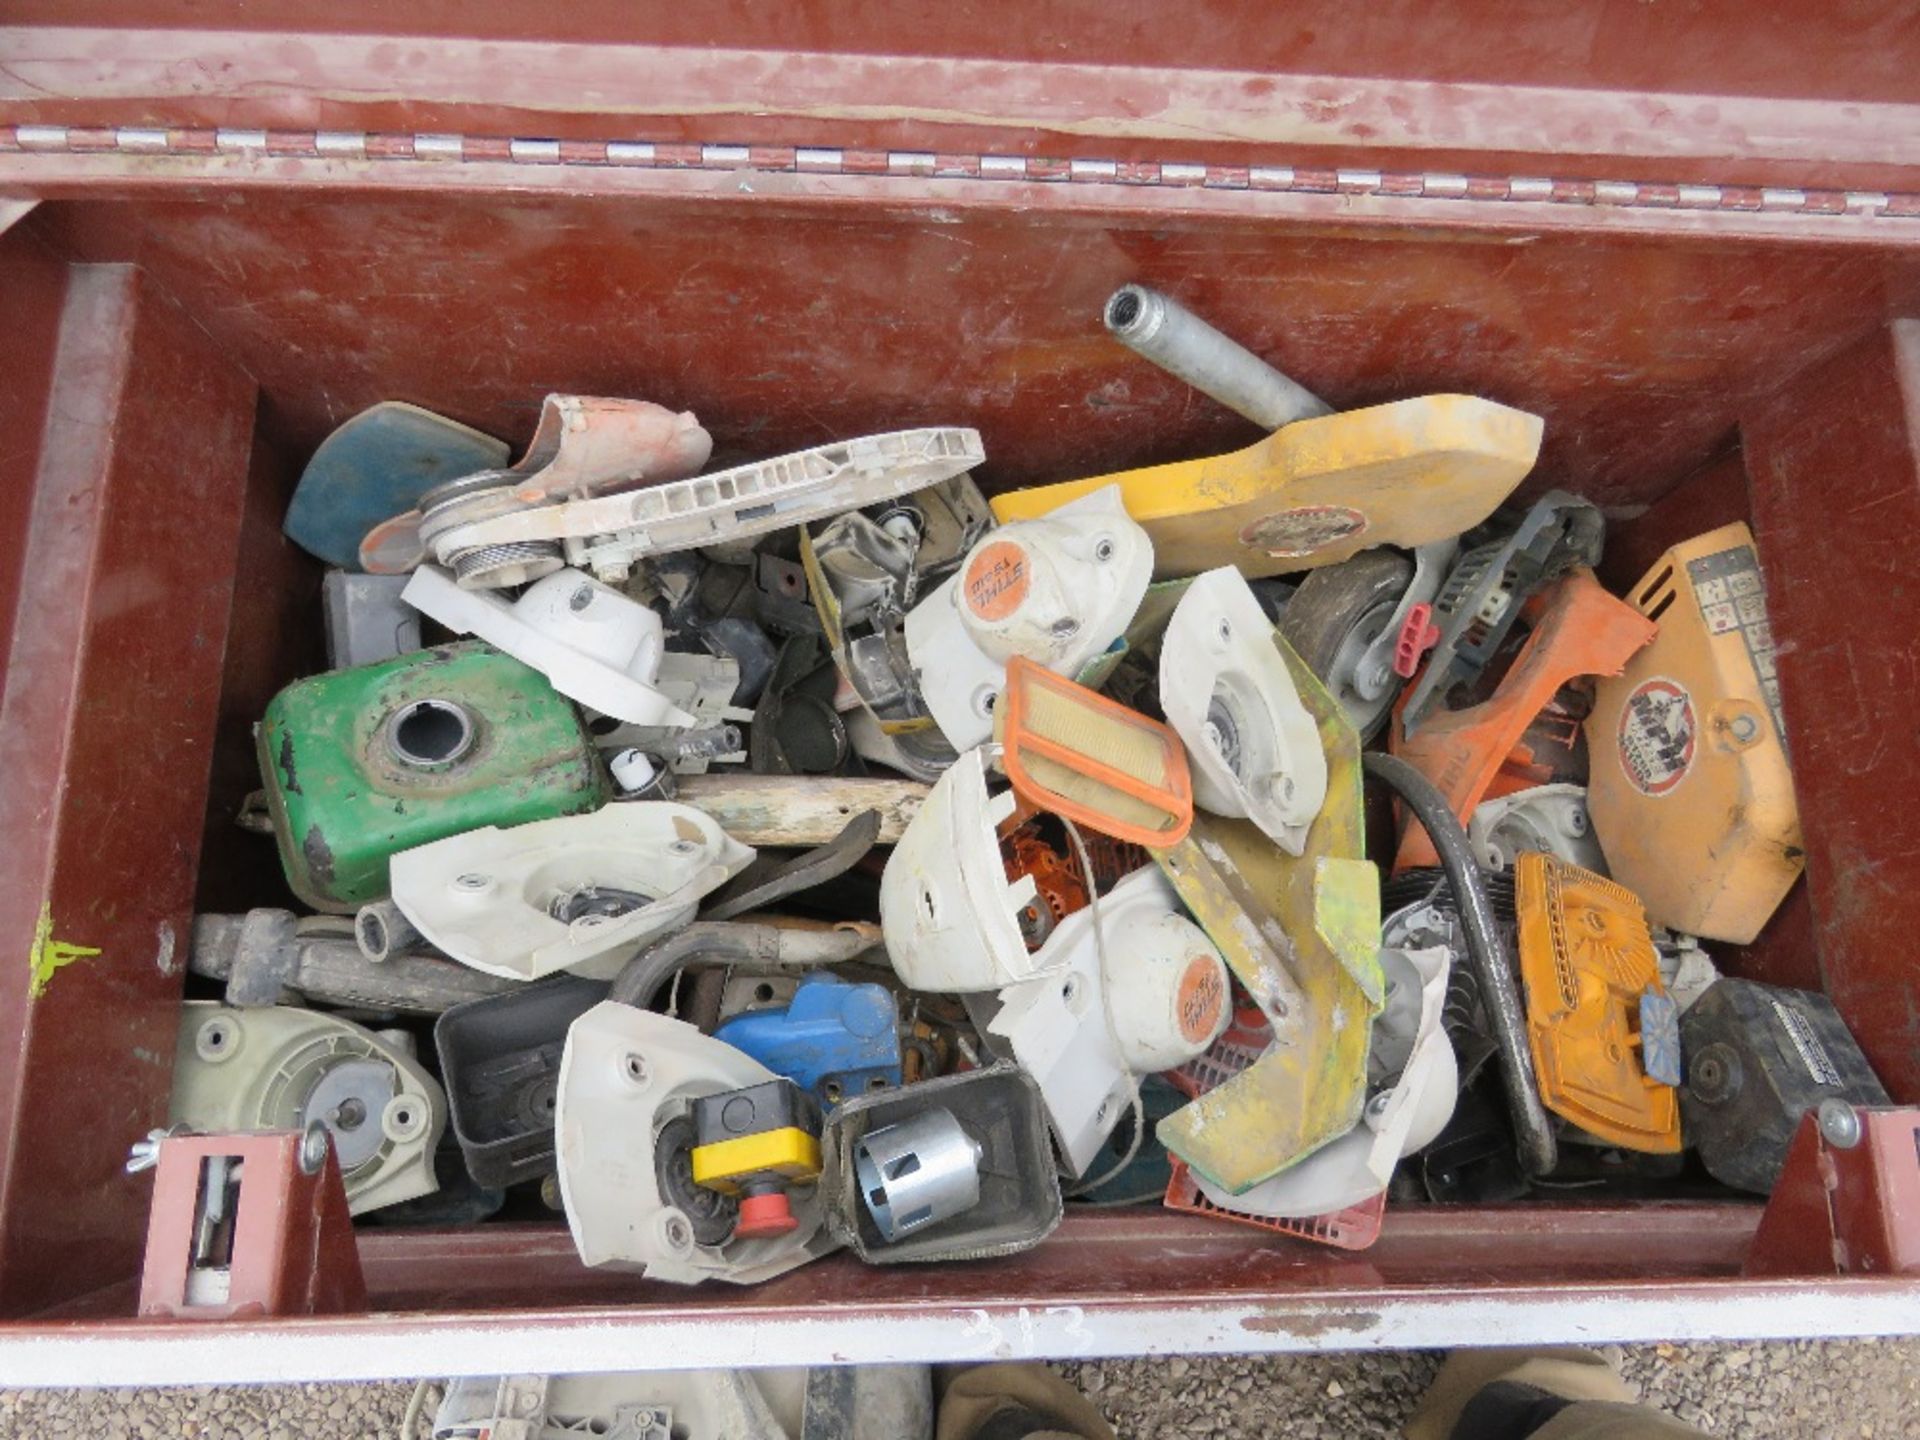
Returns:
point(786, 321)
point(1601, 91)
point(33, 287)
point(1835, 466)
point(105, 735)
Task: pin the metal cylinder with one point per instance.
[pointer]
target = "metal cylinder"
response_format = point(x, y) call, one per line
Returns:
point(917, 1173)
point(382, 931)
point(516, 562)
point(1183, 344)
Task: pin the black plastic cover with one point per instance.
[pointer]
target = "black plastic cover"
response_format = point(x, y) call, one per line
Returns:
point(1758, 1058)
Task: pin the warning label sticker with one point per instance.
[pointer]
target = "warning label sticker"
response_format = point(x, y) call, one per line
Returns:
point(1302, 531)
point(1659, 734)
point(997, 580)
point(1201, 998)
point(1807, 1044)
point(1733, 600)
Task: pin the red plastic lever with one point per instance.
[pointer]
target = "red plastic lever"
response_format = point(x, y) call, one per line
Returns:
point(1418, 634)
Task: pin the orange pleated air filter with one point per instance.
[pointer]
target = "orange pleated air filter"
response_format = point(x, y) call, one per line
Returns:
point(1091, 760)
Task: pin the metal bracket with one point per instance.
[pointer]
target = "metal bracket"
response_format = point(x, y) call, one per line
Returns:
point(250, 1225)
point(1848, 1198)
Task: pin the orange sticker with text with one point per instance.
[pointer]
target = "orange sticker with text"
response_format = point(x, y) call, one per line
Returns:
point(997, 580)
point(1201, 999)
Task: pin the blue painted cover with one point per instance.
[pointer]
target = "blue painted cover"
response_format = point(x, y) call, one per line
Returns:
point(375, 466)
point(1660, 1037)
point(834, 1039)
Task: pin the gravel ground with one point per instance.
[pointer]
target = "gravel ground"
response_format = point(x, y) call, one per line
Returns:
point(1797, 1391)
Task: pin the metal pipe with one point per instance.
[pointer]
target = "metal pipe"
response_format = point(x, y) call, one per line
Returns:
point(1181, 343)
point(1539, 1152)
point(382, 931)
point(752, 947)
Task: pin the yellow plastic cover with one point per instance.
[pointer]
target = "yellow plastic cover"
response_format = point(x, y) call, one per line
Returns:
point(1586, 959)
point(1318, 491)
point(1691, 792)
point(789, 1152)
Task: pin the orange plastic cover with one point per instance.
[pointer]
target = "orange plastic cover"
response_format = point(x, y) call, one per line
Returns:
point(1586, 958)
point(1091, 760)
point(1580, 630)
point(1354, 1228)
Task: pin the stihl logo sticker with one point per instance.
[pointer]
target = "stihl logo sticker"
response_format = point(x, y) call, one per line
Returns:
point(997, 580)
point(1658, 736)
point(1202, 1000)
point(1303, 531)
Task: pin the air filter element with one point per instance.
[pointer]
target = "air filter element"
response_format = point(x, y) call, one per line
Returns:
point(1097, 763)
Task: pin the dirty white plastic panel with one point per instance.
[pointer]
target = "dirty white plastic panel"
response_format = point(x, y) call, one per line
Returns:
point(1396, 1121)
point(1227, 693)
point(609, 532)
point(625, 1075)
point(596, 645)
point(489, 898)
point(1058, 590)
point(1549, 818)
point(949, 913)
point(1085, 1031)
point(281, 1068)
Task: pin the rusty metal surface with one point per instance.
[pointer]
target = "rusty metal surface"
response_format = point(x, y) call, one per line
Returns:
point(1834, 462)
point(1641, 317)
point(105, 731)
point(1104, 1284)
point(291, 1249)
point(380, 309)
point(1841, 1209)
point(33, 285)
point(57, 161)
point(1603, 89)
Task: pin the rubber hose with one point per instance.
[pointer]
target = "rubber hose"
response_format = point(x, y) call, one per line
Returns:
point(1538, 1150)
point(643, 975)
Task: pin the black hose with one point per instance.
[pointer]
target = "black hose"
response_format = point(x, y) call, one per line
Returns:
point(1538, 1149)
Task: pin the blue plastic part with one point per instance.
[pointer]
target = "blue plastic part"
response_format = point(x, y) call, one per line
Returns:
point(835, 1040)
point(1660, 1037)
point(375, 466)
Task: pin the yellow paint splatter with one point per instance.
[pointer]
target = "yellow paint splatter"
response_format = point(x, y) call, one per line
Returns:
point(49, 954)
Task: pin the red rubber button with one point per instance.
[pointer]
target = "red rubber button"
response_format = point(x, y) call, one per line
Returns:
point(764, 1215)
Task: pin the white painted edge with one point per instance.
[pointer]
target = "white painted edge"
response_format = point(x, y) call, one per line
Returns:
point(395, 1347)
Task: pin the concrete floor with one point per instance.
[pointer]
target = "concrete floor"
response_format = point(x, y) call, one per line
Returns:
point(1861, 1390)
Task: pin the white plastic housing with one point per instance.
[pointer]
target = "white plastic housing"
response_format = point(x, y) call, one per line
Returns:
point(625, 1073)
point(1548, 818)
point(1396, 1122)
point(486, 897)
point(257, 1069)
point(1227, 693)
point(948, 911)
point(596, 645)
point(608, 532)
point(1058, 589)
point(1084, 1033)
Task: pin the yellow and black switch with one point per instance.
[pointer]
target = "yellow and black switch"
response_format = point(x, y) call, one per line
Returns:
point(753, 1143)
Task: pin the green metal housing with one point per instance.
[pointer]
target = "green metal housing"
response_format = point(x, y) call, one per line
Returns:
point(361, 764)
